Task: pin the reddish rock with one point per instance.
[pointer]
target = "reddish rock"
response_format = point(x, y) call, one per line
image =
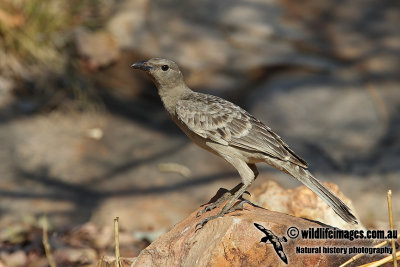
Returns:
point(233, 240)
point(301, 202)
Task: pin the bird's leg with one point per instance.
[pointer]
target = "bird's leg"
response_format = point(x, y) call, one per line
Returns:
point(248, 172)
point(239, 206)
point(224, 197)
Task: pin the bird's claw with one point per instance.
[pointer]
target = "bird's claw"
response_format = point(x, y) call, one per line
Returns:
point(247, 192)
point(215, 204)
point(206, 220)
point(219, 202)
point(207, 208)
point(201, 224)
point(236, 207)
point(240, 205)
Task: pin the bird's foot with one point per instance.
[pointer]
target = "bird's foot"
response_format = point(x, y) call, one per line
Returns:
point(206, 220)
point(238, 206)
point(227, 195)
point(218, 202)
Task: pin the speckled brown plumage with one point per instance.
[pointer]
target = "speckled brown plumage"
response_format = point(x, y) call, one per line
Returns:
point(230, 132)
point(225, 123)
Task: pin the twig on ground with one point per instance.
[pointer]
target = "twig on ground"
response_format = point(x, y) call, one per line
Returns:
point(381, 261)
point(116, 236)
point(389, 199)
point(356, 257)
point(387, 259)
point(47, 248)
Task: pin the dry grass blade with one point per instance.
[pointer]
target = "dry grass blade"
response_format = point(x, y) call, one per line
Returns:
point(381, 261)
point(389, 199)
point(356, 257)
point(395, 256)
point(116, 236)
point(47, 248)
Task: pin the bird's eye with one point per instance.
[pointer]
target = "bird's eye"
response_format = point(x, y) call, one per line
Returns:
point(164, 67)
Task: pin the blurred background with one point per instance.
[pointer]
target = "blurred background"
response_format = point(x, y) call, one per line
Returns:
point(84, 138)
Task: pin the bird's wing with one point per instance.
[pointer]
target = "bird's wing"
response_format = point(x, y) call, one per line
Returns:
point(225, 123)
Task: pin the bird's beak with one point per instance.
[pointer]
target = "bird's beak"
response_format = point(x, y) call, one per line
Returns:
point(142, 65)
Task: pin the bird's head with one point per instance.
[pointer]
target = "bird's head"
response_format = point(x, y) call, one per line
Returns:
point(164, 72)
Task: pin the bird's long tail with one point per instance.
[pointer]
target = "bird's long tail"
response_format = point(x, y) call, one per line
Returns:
point(304, 176)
